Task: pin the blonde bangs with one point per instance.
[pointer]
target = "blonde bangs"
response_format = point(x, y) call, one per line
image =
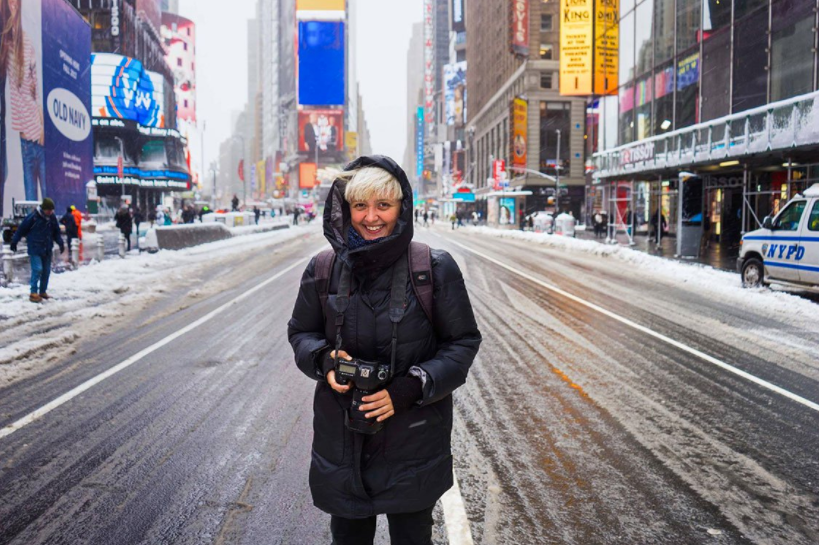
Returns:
point(371, 183)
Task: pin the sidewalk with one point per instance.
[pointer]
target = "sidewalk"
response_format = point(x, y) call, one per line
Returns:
point(716, 255)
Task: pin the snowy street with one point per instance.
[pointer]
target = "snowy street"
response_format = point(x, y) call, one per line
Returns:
point(617, 398)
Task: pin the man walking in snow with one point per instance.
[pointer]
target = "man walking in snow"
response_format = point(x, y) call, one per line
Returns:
point(41, 230)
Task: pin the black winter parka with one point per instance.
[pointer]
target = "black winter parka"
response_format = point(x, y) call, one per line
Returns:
point(407, 466)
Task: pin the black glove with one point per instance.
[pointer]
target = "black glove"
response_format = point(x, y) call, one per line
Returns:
point(13, 246)
point(404, 391)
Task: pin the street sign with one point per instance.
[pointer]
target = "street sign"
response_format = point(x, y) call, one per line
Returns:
point(120, 169)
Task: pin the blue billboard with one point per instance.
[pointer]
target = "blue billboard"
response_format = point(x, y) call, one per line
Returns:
point(321, 63)
point(45, 94)
point(121, 88)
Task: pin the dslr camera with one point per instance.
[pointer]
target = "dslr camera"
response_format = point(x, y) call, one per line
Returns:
point(367, 377)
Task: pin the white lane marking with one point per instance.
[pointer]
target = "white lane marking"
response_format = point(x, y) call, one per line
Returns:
point(457, 524)
point(68, 396)
point(693, 351)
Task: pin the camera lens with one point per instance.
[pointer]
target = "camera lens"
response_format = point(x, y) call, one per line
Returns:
point(382, 375)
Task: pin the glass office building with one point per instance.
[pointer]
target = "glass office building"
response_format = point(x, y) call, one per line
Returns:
point(719, 88)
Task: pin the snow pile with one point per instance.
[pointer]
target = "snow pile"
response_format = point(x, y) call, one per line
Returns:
point(104, 290)
point(723, 285)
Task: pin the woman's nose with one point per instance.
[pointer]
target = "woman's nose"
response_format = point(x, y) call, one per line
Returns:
point(372, 214)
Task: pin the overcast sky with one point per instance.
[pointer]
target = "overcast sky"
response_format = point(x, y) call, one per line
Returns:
point(383, 32)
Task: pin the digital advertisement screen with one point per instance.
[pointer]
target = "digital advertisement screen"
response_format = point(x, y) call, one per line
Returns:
point(455, 93)
point(321, 63)
point(322, 128)
point(121, 88)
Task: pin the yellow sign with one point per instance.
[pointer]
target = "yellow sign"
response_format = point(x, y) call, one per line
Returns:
point(320, 5)
point(606, 43)
point(576, 46)
point(260, 174)
point(351, 143)
point(519, 128)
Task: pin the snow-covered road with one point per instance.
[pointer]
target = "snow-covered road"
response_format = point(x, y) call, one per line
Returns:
point(573, 427)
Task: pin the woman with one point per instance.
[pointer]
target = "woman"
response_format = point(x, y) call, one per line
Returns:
point(402, 470)
point(26, 103)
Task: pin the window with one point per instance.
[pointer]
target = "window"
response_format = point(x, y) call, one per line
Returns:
point(545, 80)
point(750, 61)
point(716, 73)
point(788, 220)
point(179, 62)
point(555, 116)
point(545, 51)
point(627, 48)
point(663, 30)
point(185, 46)
point(643, 37)
point(626, 123)
point(688, 23)
point(791, 48)
point(813, 219)
point(546, 22)
point(688, 84)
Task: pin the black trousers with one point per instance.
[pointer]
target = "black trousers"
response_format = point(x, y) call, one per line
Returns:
point(405, 529)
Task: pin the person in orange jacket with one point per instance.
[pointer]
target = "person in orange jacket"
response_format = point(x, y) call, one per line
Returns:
point(78, 219)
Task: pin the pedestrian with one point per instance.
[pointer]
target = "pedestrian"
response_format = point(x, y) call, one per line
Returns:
point(152, 217)
point(432, 215)
point(234, 203)
point(453, 219)
point(426, 218)
point(296, 212)
point(204, 212)
point(256, 214)
point(188, 215)
point(167, 219)
point(124, 224)
point(417, 216)
point(474, 218)
point(138, 218)
point(78, 220)
point(70, 226)
point(403, 469)
point(460, 219)
point(41, 230)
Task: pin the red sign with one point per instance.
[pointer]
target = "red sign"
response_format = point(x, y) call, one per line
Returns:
point(498, 168)
point(242, 170)
point(120, 170)
point(307, 175)
point(520, 27)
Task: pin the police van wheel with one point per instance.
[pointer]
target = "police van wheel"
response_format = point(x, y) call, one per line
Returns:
point(753, 273)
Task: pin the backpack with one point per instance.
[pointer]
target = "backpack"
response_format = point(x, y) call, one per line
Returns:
point(420, 268)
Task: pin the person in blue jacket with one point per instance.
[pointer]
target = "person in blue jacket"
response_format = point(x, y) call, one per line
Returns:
point(41, 231)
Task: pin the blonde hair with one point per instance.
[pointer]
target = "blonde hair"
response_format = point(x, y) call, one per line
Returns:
point(368, 183)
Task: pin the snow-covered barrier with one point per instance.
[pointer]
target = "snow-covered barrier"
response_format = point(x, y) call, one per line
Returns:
point(177, 237)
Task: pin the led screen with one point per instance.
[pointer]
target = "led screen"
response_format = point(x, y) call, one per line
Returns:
point(321, 63)
point(122, 89)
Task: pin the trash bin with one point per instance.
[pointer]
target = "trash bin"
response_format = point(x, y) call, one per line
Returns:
point(565, 225)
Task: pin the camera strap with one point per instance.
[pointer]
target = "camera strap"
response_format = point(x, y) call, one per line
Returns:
point(398, 303)
point(342, 302)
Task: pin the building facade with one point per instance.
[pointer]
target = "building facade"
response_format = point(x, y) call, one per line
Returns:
point(714, 124)
point(517, 116)
point(138, 151)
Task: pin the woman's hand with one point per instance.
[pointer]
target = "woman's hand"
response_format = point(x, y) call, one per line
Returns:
point(380, 405)
point(331, 374)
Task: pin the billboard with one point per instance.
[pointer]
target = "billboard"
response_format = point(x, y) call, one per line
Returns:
point(606, 46)
point(322, 128)
point(179, 37)
point(458, 16)
point(455, 93)
point(307, 175)
point(320, 5)
point(519, 132)
point(519, 39)
point(321, 63)
point(122, 89)
point(576, 47)
point(419, 142)
point(46, 146)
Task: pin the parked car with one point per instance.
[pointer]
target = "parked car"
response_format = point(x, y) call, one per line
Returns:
point(20, 209)
point(786, 250)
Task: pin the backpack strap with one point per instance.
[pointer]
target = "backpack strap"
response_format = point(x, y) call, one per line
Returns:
point(324, 268)
point(420, 266)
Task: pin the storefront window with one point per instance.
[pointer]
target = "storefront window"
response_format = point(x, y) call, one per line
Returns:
point(108, 147)
point(750, 61)
point(716, 74)
point(688, 23)
point(744, 7)
point(663, 30)
point(688, 79)
point(663, 99)
point(153, 151)
point(555, 116)
point(644, 49)
point(792, 56)
point(626, 115)
point(627, 48)
point(642, 99)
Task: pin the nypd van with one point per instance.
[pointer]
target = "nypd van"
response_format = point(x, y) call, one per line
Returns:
point(786, 250)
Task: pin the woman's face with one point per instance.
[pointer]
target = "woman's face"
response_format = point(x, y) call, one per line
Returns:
point(375, 218)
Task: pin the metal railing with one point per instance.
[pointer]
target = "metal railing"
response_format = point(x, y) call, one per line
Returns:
point(780, 125)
